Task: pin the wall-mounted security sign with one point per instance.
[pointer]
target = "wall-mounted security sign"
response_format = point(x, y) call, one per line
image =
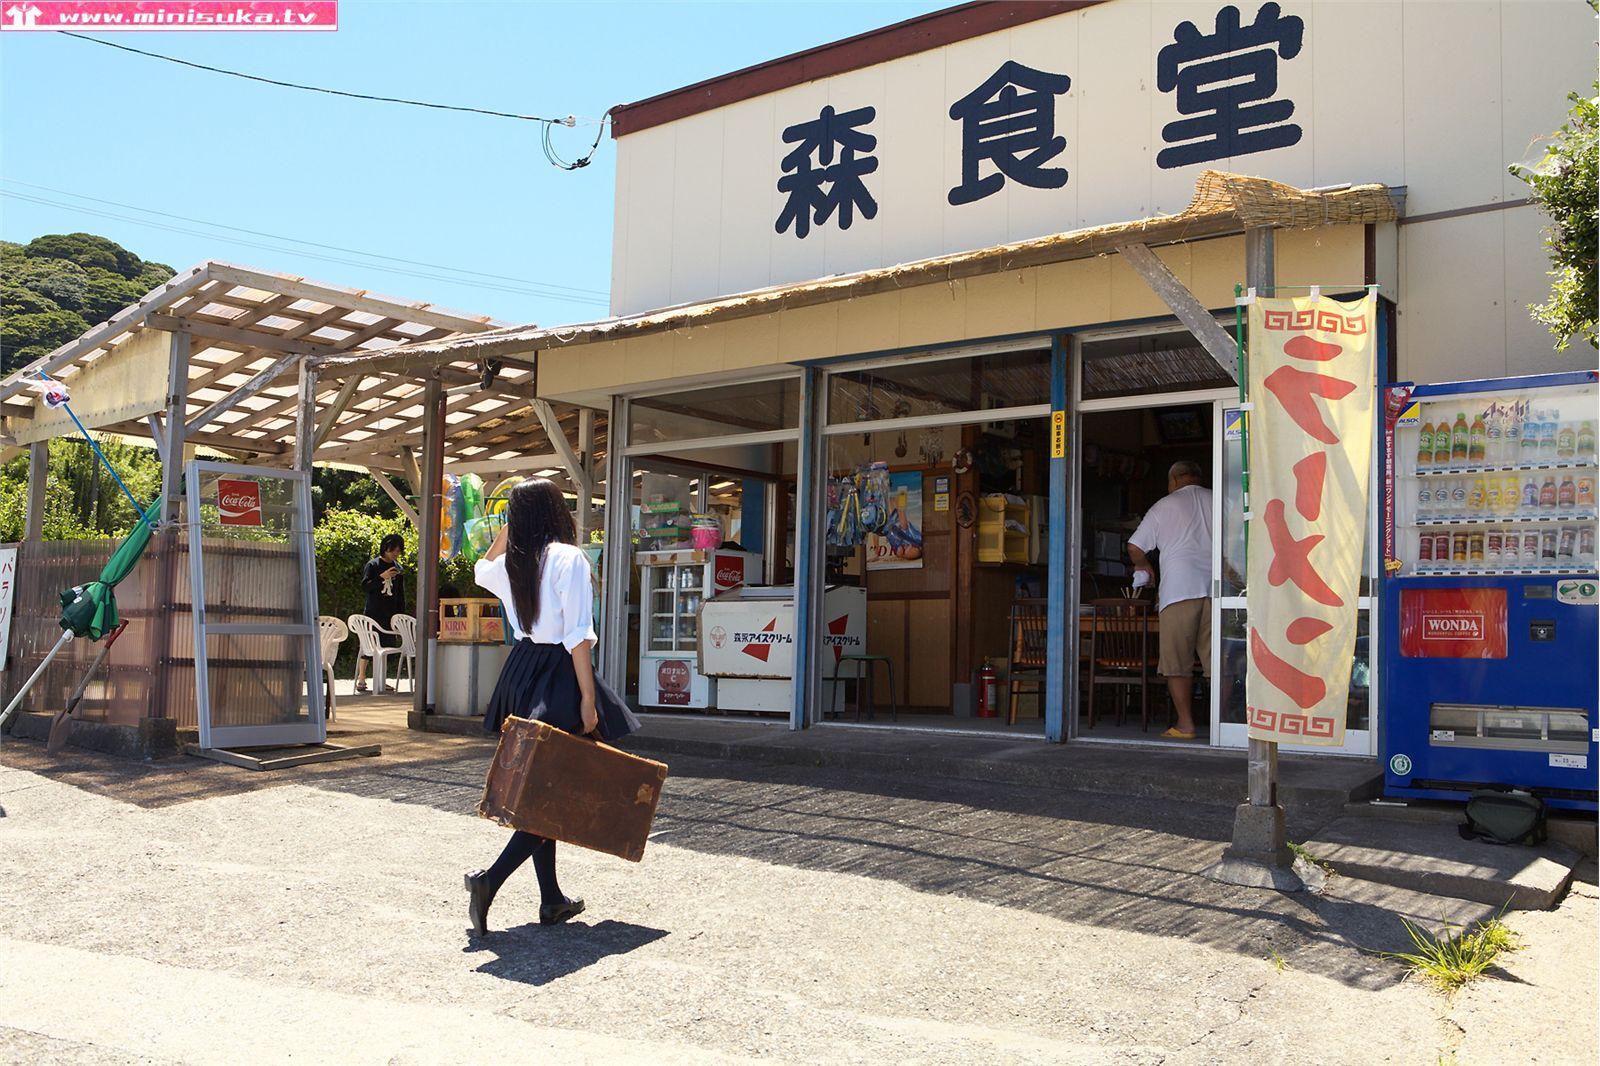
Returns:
point(1582, 592)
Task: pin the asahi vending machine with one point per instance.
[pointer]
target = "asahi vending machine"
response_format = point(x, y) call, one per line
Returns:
point(1490, 664)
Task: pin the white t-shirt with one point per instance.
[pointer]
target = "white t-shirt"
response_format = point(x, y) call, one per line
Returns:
point(566, 596)
point(1179, 527)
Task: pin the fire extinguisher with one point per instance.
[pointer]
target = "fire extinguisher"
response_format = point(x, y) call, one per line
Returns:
point(988, 691)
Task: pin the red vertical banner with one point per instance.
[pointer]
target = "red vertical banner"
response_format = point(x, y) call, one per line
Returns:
point(1312, 394)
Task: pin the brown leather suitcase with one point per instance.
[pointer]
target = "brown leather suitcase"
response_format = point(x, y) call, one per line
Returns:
point(552, 784)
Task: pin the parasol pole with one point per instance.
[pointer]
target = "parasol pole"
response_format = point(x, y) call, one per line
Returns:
point(16, 701)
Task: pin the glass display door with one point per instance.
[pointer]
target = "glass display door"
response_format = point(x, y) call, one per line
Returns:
point(1229, 629)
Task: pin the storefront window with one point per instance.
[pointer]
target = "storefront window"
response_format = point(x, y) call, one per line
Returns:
point(940, 386)
point(723, 410)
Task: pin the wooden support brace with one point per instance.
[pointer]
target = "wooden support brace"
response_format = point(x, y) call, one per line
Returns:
point(394, 494)
point(558, 440)
point(241, 394)
point(330, 418)
point(1182, 302)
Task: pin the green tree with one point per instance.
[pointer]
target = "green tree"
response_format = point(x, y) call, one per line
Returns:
point(1564, 187)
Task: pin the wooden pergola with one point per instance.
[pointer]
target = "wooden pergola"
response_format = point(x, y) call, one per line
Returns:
point(278, 370)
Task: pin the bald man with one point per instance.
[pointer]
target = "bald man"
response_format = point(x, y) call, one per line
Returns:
point(1179, 527)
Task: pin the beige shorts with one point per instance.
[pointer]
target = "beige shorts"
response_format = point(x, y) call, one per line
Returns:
point(1185, 638)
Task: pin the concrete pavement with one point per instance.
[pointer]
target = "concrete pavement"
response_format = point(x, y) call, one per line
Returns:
point(194, 913)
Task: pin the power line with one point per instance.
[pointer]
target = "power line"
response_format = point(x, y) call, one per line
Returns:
point(560, 297)
point(545, 142)
point(313, 244)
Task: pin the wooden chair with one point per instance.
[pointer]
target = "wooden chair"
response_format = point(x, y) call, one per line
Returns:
point(1121, 653)
point(1027, 653)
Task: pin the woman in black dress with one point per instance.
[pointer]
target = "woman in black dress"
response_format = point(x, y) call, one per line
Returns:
point(385, 585)
point(536, 568)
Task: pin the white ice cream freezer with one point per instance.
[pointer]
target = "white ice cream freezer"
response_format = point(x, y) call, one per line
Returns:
point(747, 643)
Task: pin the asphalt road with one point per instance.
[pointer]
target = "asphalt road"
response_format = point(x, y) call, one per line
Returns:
point(201, 914)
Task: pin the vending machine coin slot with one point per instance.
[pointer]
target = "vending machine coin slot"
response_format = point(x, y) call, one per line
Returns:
point(1542, 631)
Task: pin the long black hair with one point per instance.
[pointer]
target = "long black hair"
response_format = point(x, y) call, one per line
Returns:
point(536, 517)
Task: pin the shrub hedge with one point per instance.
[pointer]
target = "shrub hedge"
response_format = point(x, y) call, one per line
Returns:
point(345, 540)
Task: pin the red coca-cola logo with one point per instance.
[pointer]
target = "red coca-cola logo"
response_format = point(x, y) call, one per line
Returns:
point(672, 681)
point(239, 502)
point(728, 573)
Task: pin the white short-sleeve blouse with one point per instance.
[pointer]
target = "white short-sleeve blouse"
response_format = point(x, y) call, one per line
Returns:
point(566, 597)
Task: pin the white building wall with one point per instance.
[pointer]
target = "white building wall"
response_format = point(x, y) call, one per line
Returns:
point(1439, 96)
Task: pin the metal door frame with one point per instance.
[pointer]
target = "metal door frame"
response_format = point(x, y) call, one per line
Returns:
point(314, 729)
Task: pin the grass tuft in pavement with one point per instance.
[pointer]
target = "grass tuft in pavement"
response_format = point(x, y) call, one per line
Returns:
point(1453, 958)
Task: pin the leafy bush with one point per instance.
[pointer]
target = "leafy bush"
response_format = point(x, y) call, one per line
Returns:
point(345, 540)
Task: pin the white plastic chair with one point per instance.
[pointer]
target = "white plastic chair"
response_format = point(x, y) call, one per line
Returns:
point(405, 626)
point(367, 631)
point(332, 633)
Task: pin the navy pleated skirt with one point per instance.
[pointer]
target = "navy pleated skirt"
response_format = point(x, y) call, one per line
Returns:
point(539, 681)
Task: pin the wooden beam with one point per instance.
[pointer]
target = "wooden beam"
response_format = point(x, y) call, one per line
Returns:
point(515, 464)
point(177, 408)
point(353, 299)
point(394, 494)
point(558, 438)
point(174, 288)
point(1189, 310)
point(250, 338)
point(331, 416)
point(428, 562)
point(408, 460)
point(305, 423)
point(38, 476)
point(237, 396)
point(158, 434)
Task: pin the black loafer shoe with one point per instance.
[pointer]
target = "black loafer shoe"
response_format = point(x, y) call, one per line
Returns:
point(479, 895)
point(556, 913)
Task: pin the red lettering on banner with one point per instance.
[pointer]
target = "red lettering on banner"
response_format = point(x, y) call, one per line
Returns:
point(1291, 558)
point(1303, 631)
point(1294, 389)
point(1309, 475)
point(1311, 350)
point(1304, 689)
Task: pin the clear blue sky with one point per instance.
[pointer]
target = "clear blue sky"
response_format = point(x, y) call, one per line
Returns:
point(462, 191)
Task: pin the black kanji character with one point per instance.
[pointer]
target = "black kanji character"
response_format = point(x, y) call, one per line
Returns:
point(808, 201)
point(1223, 78)
point(1016, 130)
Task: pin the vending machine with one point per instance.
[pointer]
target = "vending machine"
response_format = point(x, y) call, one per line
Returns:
point(1490, 665)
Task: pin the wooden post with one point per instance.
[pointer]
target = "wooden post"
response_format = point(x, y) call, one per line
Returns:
point(585, 482)
point(177, 411)
point(38, 473)
point(428, 547)
point(305, 423)
point(616, 562)
point(167, 538)
point(1260, 271)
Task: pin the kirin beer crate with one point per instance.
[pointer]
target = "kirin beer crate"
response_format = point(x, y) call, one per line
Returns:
point(475, 621)
point(552, 784)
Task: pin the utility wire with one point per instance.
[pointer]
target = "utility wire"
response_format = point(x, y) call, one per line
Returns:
point(562, 297)
point(576, 290)
point(545, 141)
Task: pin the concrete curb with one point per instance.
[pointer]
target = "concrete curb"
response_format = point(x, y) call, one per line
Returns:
point(152, 738)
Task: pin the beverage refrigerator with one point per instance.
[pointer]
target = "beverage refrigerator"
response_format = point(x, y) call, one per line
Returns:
point(1490, 665)
point(674, 585)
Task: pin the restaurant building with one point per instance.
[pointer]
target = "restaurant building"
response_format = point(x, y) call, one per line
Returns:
point(923, 317)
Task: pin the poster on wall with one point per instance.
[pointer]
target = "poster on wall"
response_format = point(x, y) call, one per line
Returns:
point(1310, 441)
point(899, 546)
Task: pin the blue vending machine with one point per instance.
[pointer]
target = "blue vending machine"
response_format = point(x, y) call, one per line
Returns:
point(1490, 664)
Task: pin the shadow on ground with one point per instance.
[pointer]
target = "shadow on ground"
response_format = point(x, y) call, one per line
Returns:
point(537, 954)
point(1085, 858)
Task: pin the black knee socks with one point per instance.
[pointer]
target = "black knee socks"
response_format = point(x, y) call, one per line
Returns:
point(520, 848)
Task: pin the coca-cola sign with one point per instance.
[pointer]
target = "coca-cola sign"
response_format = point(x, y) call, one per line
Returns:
point(729, 572)
point(239, 502)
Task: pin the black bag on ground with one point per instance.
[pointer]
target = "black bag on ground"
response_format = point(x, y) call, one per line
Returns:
point(1504, 817)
